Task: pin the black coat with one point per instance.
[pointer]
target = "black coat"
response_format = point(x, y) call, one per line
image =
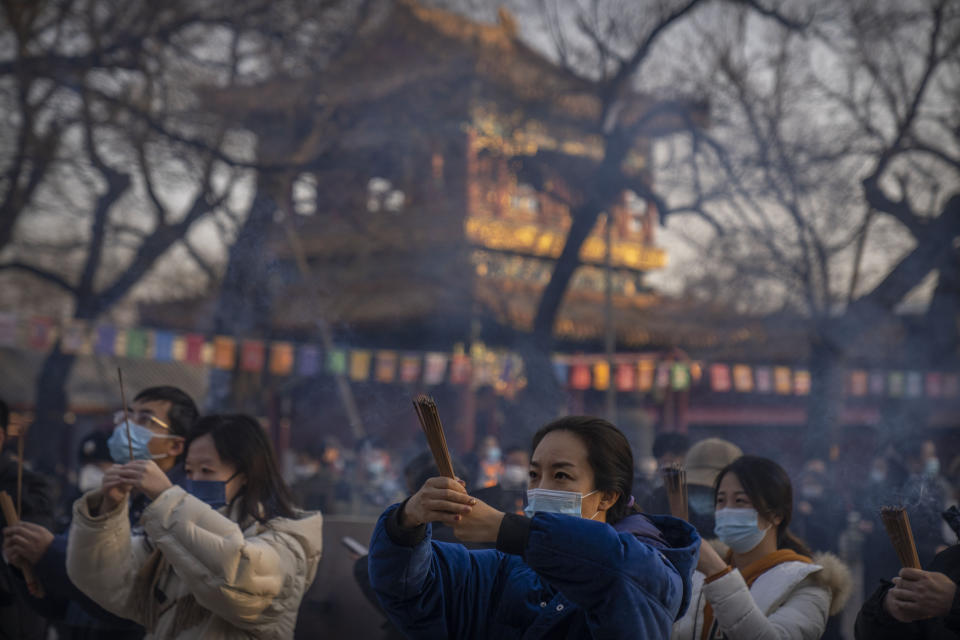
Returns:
point(17, 619)
point(873, 623)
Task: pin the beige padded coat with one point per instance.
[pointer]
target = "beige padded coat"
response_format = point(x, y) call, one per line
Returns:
point(211, 579)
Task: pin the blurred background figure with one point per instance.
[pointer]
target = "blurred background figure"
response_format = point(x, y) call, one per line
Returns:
point(315, 482)
point(821, 516)
point(704, 461)
point(508, 495)
point(646, 480)
point(489, 462)
point(669, 448)
point(93, 457)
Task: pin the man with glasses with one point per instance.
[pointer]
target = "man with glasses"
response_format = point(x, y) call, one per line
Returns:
point(157, 421)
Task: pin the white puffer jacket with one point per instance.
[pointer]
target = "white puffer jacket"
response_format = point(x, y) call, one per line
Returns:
point(790, 601)
point(230, 582)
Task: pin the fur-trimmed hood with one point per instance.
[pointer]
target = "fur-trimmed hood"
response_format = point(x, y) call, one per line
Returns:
point(832, 575)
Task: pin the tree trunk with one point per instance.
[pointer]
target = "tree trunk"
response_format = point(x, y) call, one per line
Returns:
point(243, 306)
point(51, 405)
point(825, 403)
point(941, 321)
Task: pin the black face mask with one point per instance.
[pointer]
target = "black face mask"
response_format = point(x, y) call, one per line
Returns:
point(212, 492)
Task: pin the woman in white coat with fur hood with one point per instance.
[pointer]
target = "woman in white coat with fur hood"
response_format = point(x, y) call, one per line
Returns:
point(226, 556)
point(763, 583)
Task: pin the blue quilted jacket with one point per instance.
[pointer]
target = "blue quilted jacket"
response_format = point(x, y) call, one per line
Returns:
point(552, 576)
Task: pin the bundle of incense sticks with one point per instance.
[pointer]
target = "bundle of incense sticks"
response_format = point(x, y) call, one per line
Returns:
point(430, 421)
point(10, 515)
point(897, 524)
point(123, 400)
point(21, 444)
point(675, 481)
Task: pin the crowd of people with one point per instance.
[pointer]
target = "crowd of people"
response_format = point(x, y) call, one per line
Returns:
point(186, 526)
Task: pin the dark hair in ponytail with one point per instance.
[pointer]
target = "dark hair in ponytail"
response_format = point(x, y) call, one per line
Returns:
point(608, 453)
point(768, 486)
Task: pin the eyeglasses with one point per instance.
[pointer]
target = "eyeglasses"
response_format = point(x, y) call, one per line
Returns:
point(142, 418)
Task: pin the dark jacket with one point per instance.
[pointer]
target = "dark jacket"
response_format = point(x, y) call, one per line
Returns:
point(873, 623)
point(16, 619)
point(552, 576)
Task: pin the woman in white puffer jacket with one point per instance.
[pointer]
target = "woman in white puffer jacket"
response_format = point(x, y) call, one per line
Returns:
point(226, 556)
point(762, 584)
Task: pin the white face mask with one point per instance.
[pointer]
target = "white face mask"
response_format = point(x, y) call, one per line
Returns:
point(89, 478)
point(552, 501)
point(514, 477)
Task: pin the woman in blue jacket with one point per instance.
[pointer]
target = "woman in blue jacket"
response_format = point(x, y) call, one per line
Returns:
point(585, 565)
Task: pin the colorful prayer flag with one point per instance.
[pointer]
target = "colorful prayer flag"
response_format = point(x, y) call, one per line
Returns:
point(626, 377)
point(75, 337)
point(801, 382)
point(360, 361)
point(163, 346)
point(580, 376)
point(764, 379)
point(224, 353)
point(876, 383)
point(41, 333)
point(896, 384)
point(308, 360)
point(460, 369)
point(560, 370)
point(720, 377)
point(281, 358)
point(783, 380)
point(951, 385)
point(337, 362)
point(434, 368)
point(914, 384)
point(410, 368)
point(679, 376)
point(252, 355)
point(645, 372)
point(8, 329)
point(662, 380)
point(859, 383)
point(934, 384)
point(601, 375)
point(742, 378)
point(106, 340)
point(137, 342)
point(386, 367)
point(195, 343)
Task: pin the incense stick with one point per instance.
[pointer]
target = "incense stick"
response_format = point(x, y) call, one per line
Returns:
point(430, 422)
point(10, 515)
point(897, 524)
point(123, 399)
point(21, 445)
point(675, 481)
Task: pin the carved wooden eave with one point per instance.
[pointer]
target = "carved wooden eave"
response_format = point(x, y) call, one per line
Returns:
point(475, 64)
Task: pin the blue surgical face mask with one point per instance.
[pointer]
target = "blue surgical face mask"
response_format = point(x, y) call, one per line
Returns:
point(212, 492)
point(931, 467)
point(551, 501)
point(738, 529)
point(140, 437)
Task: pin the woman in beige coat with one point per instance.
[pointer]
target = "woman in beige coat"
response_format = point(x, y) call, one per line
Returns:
point(224, 557)
point(764, 585)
